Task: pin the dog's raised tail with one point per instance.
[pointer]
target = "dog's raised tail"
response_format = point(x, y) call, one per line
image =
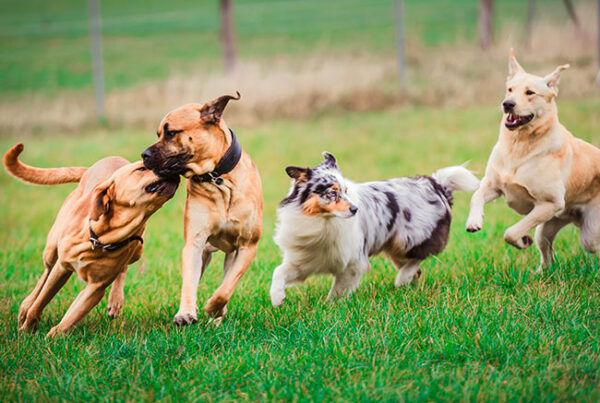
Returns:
point(39, 176)
point(456, 178)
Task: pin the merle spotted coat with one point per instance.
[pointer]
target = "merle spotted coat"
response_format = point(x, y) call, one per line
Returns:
point(330, 225)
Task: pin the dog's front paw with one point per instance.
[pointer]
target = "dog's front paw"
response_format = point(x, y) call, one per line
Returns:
point(474, 224)
point(114, 309)
point(277, 296)
point(404, 278)
point(185, 317)
point(22, 316)
point(216, 306)
point(30, 324)
point(55, 332)
point(519, 242)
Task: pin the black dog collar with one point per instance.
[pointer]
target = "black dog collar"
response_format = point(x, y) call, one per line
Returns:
point(226, 164)
point(109, 247)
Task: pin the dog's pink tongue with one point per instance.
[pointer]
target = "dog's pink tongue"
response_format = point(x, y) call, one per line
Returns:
point(511, 118)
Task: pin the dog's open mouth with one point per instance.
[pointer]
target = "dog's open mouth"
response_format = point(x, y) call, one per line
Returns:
point(513, 121)
point(164, 187)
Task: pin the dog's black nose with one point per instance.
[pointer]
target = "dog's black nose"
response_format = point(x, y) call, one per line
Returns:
point(353, 209)
point(508, 105)
point(146, 154)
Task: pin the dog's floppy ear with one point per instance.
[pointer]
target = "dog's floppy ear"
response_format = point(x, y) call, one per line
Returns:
point(553, 78)
point(299, 174)
point(101, 200)
point(330, 159)
point(513, 65)
point(212, 111)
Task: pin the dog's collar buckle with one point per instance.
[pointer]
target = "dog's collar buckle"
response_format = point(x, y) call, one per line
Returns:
point(109, 247)
point(226, 164)
point(95, 242)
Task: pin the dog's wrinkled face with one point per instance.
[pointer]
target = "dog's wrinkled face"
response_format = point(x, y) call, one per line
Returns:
point(133, 190)
point(529, 98)
point(190, 140)
point(320, 191)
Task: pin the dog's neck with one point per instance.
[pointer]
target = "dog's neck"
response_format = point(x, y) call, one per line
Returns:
point(214, 151)
point(118, 231)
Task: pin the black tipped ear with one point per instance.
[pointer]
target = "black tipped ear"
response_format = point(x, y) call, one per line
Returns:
point(299, 174)
point(330, 159)
point(212, 111)
point(101, 201)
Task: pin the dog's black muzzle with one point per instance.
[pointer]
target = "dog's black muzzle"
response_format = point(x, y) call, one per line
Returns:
point(165, 166)
point(508, 105)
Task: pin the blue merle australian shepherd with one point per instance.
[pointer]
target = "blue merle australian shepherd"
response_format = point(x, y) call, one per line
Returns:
point(330, 225)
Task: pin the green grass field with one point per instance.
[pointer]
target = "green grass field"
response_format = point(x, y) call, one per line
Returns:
point(479, 326)
point(45, 47)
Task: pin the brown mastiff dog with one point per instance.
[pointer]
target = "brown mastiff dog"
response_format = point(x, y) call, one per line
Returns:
point(97, 233)
point(223, 210)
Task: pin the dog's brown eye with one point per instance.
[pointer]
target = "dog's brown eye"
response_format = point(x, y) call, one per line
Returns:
point(141, 169)
point(510, 90)
point(529, 92)
point(169, 134)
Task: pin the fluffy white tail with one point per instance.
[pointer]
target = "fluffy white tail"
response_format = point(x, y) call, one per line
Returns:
point(456, 178)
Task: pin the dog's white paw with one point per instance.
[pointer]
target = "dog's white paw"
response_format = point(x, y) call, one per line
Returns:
point(518, 241)
point(277, 296)
point(404, 278)
point(185, 317)
point(474, 224)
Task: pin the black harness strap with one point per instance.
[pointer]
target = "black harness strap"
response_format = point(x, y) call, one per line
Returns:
point(109, 247)
point(226, 164)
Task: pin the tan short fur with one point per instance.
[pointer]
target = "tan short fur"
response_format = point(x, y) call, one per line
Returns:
point(225, 217)
point(111, 199)
point(544, 172)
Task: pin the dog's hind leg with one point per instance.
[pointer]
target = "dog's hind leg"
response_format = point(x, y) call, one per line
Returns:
point(57, 277)
point(346, 282)
point(83, 304)
point(544, 238)
point(408, 272)
point(49, 257)
point(215, 306)
point(590, 228)
point(28, 301)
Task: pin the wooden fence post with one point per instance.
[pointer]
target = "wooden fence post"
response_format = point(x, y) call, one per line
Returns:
point(227, 36)
point(96, 47)
point(400, 52)
point(486, 21)
point(529, 23)
point(598, 44)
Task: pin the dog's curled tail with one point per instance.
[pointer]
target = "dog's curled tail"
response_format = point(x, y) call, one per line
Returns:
point(39, 176)
point(456, 178)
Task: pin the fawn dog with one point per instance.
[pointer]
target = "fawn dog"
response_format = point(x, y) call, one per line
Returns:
point(97, 232)
point(543, 171)
point(223, 209)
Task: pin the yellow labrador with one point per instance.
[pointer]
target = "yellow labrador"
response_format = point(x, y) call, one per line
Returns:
point(542, 170)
